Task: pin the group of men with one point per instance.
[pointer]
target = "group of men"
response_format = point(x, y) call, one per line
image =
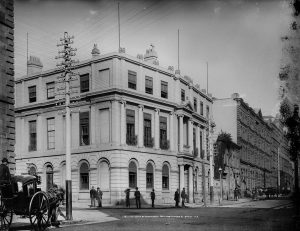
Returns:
point(96, 195)
point(177, 197)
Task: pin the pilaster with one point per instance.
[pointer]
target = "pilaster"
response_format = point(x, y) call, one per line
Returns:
point(156, 129)
point(140, 126)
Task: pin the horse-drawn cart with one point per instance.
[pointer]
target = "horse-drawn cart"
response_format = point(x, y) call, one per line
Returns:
point(24, 198)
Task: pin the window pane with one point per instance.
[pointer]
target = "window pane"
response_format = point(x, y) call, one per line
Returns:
point(32, 135)
point(84, 83)
point(84, 128)
point(84, 176)
point(50, 90)
point(51, 133)
point(164, 89)
point(132, 80)
point(32, 94)
point(149, 85)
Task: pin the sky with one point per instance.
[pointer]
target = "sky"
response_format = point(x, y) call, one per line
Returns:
point(239, 39)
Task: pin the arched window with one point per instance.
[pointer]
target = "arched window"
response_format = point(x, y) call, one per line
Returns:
point(49, 176)
point(165, 177)
point(84, 176)
point(149, 176)
point(132, 175)
point(103, 176)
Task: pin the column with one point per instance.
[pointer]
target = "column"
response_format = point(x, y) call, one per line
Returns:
point(198, 139)
point(180, 133)
point(123, 123)
point(140, 126)
point(190, 135)
point(115, 122)
point(171, 130)
point(181, 177)
point(191, 185)
point(156, 129)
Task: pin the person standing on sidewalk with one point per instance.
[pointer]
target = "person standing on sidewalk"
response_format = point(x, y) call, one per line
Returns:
point(127, 197)
point(93, 196)
point(137, 196)
point(99, 197)
point(177, 198)
point(183, 196)
point(152, 197)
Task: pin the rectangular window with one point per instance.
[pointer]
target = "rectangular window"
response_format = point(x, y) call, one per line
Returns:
point(84, 120)
point(147, 131)
point(132, 80)
point(84, 83)
point(132, 179)
point(201, 108)
point(195, 104)
point(32, 94)
point(194, 142)
point(149, 85)
point(32, 135)
point(201, 146)
point(164, 89)
point(51, 133)
point(163, 133)
point(207, 112)
point(182, 95)
point(130, 128)
point(50, 90)
point(149, 180)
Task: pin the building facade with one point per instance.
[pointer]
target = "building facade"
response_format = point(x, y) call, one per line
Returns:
point(282, 166)
point(7, 121)
point(253, 134)
point(134, 124)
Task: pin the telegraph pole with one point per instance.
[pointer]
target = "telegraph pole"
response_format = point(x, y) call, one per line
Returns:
point(211, 126)
point(65, 78)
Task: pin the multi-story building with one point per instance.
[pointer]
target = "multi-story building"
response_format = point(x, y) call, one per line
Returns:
point(252, 134)
point(134, 123)
point(7, 121)
point(281, 165)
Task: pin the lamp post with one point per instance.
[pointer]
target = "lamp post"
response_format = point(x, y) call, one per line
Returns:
point(221, 186)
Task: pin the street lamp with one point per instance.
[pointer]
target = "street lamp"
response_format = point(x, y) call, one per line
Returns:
point(221, 185)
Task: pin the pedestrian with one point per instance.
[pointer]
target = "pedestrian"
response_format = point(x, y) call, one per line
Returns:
point(137, 196)
point(177, 198)
point(183, 196)
point(93, 196)
point(152, 197)
point(235, 194)
point(127, 192)
point(5, 177)
point(99, 197)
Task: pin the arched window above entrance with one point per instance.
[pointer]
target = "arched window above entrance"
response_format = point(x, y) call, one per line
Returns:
point(132, 174)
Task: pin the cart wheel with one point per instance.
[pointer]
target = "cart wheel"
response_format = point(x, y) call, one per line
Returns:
point(39, 211)
point(6, 216)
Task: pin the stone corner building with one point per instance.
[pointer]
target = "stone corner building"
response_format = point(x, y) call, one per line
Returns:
point(134, 123)
point(7, 121)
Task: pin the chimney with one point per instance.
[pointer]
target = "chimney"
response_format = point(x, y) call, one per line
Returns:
point(95, 51)
point(151, 55)
point(34, 65)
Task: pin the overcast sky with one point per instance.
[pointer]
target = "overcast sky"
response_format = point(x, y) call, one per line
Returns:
point(239, 39)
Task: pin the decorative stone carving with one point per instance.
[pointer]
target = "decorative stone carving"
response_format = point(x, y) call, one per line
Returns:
point(95, 51)
point(140, 56)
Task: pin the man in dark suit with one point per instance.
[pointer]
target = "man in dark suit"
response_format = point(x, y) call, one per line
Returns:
point(5, 177)
point(137, 196)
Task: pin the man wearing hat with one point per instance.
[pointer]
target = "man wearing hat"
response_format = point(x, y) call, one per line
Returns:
point(5, 177)
point(137, 196)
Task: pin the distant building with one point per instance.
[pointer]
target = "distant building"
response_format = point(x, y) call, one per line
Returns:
point(7, 121)
point(253, 134)
point(134, 123)
point(281, 158)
